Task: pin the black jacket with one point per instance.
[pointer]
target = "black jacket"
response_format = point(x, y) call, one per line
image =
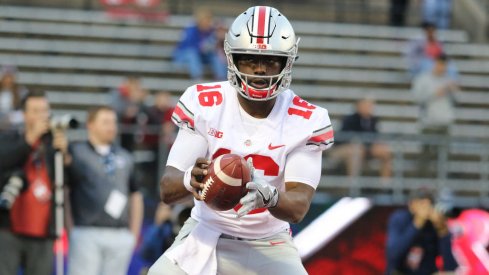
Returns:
point(402, 236)
point(14, 153)
point(355, 123)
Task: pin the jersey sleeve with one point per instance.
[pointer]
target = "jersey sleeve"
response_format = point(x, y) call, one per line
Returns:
point(191, 142)
point(188, 146)
point(186, 111)
point(322, 134)
point(296, 171)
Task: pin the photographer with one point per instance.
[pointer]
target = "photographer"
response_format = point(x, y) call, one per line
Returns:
point(27, 220)
point(416, 236)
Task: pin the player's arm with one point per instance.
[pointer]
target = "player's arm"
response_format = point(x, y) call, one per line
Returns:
point(294, 203)
point(302, 174)
point(185, 167)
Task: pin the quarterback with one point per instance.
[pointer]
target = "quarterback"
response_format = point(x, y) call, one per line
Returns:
point(254, 114)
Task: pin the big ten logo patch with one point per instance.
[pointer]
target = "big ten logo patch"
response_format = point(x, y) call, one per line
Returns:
point(215, 133)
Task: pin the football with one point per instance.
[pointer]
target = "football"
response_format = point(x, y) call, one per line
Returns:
point(225, 183)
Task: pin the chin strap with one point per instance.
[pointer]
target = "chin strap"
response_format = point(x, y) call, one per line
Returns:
point(256, 93)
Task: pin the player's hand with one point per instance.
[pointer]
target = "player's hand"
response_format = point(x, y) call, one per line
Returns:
point(261, 194)
point(199, 171)
point(249, 162)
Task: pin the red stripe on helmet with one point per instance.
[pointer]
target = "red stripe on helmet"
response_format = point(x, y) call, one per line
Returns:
point(262, 11)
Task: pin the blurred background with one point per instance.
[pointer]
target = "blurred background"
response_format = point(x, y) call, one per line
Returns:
point(374, 64)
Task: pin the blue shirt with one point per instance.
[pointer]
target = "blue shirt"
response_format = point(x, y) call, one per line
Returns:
point(157, 239)
point(203, 41)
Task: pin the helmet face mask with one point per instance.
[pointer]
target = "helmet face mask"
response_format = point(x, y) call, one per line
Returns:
point(259, 75)
point(260, 34)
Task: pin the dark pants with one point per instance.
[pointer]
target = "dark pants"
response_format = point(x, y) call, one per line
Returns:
point(35, 255)
point(398, 12)
point(429, 153)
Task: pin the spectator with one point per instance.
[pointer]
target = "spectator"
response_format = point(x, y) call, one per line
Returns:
point(27, 220)
point(353, 154)
point(398, 12)
point(419, 50)
point(221, 30)
point(438, 12)
point(157, 141)
point(106, 204)
point(161, 113)
point(416, 236)
point(421, 53)
point(159, 236)
point(129, 103)
point(199, 47)
point(10, 96)
point(434, 92)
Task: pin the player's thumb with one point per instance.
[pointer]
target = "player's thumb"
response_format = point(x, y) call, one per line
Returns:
point(251, 186)
point(249, 161)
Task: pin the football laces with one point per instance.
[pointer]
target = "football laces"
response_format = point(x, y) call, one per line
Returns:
point(207, 185)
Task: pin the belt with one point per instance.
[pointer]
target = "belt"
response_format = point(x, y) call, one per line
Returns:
point(230, 237)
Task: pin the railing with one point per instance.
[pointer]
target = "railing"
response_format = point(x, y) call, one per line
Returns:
point(462, 167)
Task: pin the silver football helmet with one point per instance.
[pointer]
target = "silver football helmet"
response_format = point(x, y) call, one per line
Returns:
point(261, 30)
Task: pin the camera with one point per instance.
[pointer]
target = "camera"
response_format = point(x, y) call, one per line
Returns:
point(64, 122)
point(11, 190)
point(445, 203)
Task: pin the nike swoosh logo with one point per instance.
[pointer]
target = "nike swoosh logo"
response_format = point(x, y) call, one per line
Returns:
point(265, 201)
point(270, 147)
point(276, 243)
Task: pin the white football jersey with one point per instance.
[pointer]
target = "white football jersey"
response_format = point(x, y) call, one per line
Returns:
point(212, 110)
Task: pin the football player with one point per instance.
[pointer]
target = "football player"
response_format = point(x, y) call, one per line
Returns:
point(256, 115)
